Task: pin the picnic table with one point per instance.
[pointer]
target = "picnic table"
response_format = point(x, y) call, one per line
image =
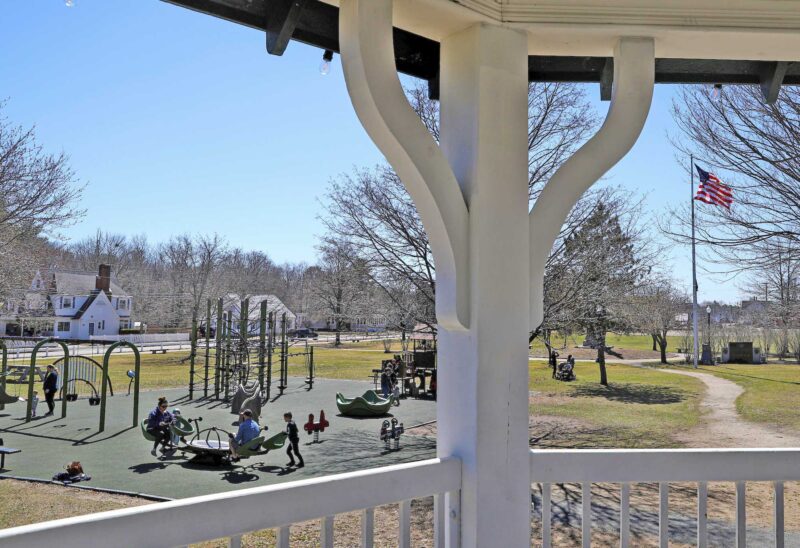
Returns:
point(18, 374)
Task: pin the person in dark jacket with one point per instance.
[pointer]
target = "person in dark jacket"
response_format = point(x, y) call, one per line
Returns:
point(50, 387)
point(158, 422)
point(294, 440)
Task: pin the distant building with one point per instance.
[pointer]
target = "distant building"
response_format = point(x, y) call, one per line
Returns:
point(231, 308)
point(68, 305)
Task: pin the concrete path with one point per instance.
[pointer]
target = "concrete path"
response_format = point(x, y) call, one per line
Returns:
point(721, 425)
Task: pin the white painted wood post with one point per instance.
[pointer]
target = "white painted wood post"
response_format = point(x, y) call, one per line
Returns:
point(283, 537)
point(482, 401)
point(439, 520)
point(663, 514)
point(778, 513)
point(367, 527)
point(741, 515)
point(702, 514)
point(326, 532)
point(235, 541)
point(404, 524)
point(625, 515)
point(586, 514)
point(547, 517)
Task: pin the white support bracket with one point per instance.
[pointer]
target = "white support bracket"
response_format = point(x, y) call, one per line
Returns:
point(367, 51)
point(631, 95)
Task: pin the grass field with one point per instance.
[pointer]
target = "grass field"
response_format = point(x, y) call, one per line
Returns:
point(171, 370)
point(624, 342)
point(772, 392)
point(639, 408)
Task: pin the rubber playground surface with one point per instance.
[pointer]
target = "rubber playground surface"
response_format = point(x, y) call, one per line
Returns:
point(119, 458)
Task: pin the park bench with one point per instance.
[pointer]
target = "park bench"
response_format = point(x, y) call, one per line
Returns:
point(6, 451)
point(157, 350)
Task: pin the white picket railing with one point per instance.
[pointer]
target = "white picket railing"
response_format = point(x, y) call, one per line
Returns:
point(233, 514)
point(700, 466)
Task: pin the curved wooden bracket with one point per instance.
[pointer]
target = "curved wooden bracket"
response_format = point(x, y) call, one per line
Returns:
point(367, 51)
point(632, 93)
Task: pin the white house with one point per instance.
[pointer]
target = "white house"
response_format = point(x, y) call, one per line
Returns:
point(232, 305)
point(69, 305)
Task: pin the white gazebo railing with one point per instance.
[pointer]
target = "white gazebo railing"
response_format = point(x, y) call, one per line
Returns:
point(233, 514)
point(664, 467)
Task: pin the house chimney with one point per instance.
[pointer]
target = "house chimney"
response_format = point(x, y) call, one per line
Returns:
point(103, 280)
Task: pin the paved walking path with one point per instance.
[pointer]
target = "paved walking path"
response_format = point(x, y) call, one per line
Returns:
point(721, 425)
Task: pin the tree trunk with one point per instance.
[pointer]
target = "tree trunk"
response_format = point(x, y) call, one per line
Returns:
point(601, 358)
point(655, 339)
point(662, 343)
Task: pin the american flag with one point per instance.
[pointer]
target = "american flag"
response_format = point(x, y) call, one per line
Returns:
point(712, 190)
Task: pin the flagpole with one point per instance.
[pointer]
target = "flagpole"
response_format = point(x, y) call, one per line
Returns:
point(694, 272)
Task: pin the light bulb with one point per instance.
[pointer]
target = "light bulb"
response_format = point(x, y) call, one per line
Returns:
point(325, 65)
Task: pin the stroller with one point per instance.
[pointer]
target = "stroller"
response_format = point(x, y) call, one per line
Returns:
point(565, 372)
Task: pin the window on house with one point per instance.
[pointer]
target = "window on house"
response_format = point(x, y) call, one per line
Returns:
point(66, 302)
point(63, 326)
point(122, 304)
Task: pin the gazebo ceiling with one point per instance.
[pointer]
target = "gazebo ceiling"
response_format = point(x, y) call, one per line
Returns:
point(766, 30)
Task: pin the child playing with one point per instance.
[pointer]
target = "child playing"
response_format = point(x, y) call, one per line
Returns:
point(396, 393)
point(294, 440)
point(34, 403)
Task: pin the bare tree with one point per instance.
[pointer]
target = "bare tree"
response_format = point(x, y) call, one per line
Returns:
point(38, 196)
point(194, 268)
point(373, 213)
point(758, 145)
point(655, 306)
point(38, 191)
point(339, 285)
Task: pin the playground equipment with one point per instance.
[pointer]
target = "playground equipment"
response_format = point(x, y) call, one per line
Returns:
point(390, 432)
point(132, 376)
point(4, 398)
point(82, 381)
point(370, 404)
point(209, 446)
point(243, 355)
point(316, 427)
point(31, 375)
point(103, 394)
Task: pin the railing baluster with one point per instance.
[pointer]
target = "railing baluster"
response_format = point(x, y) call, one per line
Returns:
point(235, 541)
point(546, 515)
point(586, 519)
point(326, 532)
point(624, 515)
point(741, 515)
point(452, 511)
point(439, 517)
point(367, 527)
point(702, 514)
point(778, 513)
point(404, 514)
point(663, 515)
point(283, 537)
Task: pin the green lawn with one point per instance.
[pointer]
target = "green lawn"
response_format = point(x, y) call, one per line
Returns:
point(772, 392)
point(639, 408)
point(171, 370)
point(630, 342)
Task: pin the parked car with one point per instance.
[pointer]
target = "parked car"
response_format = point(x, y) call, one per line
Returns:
point(302, 333)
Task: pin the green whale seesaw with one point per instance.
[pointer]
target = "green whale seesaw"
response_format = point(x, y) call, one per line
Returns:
point(370, 404)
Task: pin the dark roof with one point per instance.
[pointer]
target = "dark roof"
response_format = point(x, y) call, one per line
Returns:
point(81, 283)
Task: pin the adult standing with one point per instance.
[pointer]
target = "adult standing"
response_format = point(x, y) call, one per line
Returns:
point(50, 387)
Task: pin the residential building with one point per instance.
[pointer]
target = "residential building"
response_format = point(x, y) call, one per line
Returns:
point(69, 305)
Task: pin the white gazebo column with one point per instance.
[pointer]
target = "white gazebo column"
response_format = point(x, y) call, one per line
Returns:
point(483, 369)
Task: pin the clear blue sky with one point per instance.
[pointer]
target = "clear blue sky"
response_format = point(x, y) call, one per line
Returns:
point(180, 122)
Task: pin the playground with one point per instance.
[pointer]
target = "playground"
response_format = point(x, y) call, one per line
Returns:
point(119, 458)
